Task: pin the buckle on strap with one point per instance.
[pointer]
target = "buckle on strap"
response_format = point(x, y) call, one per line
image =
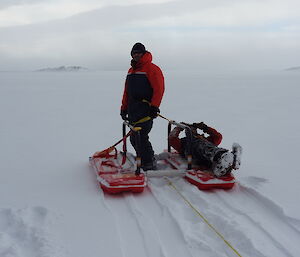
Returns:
point(146, 101)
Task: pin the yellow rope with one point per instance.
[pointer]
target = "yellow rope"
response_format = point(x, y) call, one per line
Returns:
point(142, 120)
point(203, 218)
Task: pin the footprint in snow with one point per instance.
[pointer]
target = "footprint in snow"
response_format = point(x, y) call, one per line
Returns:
point(23, 232)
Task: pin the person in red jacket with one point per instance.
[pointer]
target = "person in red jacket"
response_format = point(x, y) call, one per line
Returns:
point(143, 93)
point(205, 151)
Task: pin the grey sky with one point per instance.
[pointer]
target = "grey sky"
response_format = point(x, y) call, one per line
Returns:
point(182, 34)
point(10, 3)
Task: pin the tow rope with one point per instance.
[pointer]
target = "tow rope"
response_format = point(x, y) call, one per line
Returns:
point(202, 217)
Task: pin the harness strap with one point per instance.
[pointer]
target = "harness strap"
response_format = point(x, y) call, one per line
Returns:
point(142, 120)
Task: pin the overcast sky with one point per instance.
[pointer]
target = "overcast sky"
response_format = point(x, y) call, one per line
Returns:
point(181, 34)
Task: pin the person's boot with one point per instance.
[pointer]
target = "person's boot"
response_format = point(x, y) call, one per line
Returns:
point(147, 166)
point(150, 165)
point(223, 165)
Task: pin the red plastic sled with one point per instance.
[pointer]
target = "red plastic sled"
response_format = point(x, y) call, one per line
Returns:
point(204, 180)
point(114, 177)
point(116, 174)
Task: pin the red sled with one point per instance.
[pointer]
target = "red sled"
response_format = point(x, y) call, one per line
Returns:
point(116, 174)
point(204, 180)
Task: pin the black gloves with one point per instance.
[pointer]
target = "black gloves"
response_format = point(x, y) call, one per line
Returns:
point(124, 114)
point(201, 125)
point(154, 111)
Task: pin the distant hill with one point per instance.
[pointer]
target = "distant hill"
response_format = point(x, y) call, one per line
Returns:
point(63, 69)
point(297, 68)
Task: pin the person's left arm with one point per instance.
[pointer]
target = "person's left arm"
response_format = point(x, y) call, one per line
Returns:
point(156, 79)
point(214, 137)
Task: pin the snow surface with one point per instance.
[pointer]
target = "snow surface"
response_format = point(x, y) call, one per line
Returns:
point(50, 202)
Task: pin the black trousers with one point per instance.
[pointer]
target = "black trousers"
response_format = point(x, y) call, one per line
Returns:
point(146, 150)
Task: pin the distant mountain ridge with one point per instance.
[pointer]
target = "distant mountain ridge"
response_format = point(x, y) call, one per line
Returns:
point(63, 69)
point(296, 68)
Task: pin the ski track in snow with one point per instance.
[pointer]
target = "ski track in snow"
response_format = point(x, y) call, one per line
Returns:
point(23, 233)
point(119, 240)
point(200, 240)
point(152, 231)
point(264, 215)
point(295, 223)
point(247, 219)
point(131, 241)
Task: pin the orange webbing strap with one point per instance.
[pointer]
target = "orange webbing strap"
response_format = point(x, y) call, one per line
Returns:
point(109, 163)
point(121, 140)
point(106, 153)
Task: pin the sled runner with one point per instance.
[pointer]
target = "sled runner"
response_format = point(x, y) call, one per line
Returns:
point(205, 181)
point(201, 178)
point(115, 177)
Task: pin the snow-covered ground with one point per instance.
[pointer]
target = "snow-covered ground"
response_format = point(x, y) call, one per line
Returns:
point(51, 205)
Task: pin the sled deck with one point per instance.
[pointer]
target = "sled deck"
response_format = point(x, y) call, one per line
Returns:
point(204, 180)
point(116, 173)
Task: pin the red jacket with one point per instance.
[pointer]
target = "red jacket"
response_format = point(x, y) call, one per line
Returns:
point(144, 86)
point(214, 137)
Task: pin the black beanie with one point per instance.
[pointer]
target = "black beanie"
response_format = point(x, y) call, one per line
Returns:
point(138, 48)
